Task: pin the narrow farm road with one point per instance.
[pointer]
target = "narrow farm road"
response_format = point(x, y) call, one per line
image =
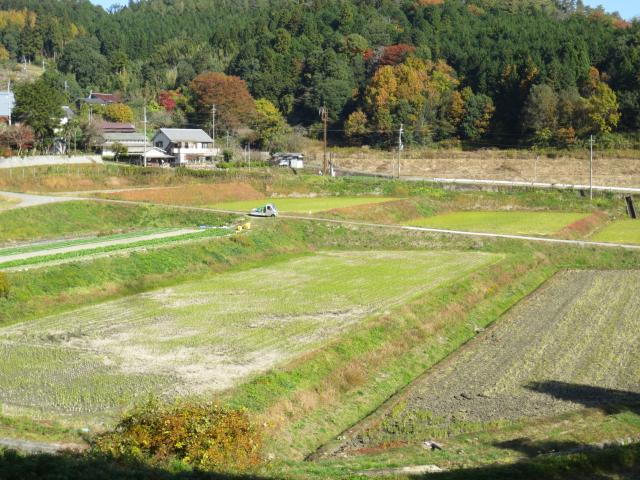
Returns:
point(29, 446)
point(578, 243)
point(494, 182)
point(29, 200)
point(45, 252)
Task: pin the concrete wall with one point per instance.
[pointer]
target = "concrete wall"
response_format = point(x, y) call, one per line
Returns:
point(16, 162)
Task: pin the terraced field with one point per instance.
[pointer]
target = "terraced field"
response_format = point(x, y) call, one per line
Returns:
point(516, 223)
point(572, 344)
point(621, 231)
point(207, 335)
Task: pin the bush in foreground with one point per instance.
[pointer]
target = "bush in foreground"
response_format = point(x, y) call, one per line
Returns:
point(201, 435)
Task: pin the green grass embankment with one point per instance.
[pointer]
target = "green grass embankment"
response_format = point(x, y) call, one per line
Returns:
point(82, 218)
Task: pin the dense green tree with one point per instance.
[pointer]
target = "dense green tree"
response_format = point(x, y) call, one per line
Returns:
point(83, 59)
point(300, 55)
point(39, 106)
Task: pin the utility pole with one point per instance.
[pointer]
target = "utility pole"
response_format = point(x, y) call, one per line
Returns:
point(400, 146)
point(144, 155)
point(324, 116)
point(213, 129)
point(591, 168)
point(10, 109)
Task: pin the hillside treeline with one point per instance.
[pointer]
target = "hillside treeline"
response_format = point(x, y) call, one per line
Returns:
point(501, 72)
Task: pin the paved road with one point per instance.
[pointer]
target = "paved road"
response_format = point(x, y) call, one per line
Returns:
point(45, 252)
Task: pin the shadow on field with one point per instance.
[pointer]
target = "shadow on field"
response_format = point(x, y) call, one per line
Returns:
point(620, 463)
point(79, 466)
point(608, 400)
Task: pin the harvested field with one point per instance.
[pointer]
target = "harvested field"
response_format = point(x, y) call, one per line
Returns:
point(621, 231)
point(497, 165)
point(572, 344)
point(517, 223)
point(307, 205)
point(208, 335)
point(191, 194)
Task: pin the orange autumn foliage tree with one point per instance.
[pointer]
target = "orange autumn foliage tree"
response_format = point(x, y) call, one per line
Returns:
point(401, 93)
point(235, 107)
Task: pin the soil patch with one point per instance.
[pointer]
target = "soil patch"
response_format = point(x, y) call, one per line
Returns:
point(192, 194)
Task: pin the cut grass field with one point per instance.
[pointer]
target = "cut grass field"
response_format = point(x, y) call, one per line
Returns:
point(619, 231)
point(571, 345)
point(305, 205)
point(207, 335)
point(516, 223)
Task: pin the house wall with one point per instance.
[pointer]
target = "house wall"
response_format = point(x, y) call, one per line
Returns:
point(162, 139)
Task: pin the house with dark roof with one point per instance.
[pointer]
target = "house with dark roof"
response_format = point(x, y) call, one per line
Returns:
point(115, 127)
point(186, 145)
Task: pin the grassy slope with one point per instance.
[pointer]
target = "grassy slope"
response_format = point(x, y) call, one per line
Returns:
point(78, 218)
point(522, 223)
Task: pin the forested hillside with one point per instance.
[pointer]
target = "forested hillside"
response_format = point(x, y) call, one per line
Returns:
point(504, 72)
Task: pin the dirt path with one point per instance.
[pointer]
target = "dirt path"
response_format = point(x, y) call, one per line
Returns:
point(578, 243)
point(40, 199)
point(28, 200)
point(29, 446)
point(95, 245)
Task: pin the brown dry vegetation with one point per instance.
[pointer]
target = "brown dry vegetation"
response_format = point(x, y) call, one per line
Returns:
point(202, 194)
point(499, 165)
point(583, 227)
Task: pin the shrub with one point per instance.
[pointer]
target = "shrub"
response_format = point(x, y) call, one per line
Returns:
point(4, 286)
point(202, 435)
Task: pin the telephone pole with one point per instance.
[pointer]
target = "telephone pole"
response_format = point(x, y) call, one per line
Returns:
point(144, 155)
point(324, 116)
point(400, 146)
point(213, 129)
point(591, 168)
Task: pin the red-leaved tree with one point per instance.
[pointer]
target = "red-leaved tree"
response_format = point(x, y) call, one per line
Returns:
point(234, 105)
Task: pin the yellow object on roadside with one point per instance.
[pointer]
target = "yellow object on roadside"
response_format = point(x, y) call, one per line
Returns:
point(239, 228)
point(247, 226)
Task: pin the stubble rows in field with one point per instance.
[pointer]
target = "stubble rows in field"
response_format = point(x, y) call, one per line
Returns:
point(208, 335)
point(572, 344)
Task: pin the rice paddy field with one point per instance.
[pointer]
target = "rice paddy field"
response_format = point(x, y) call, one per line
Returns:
point(204, 336)
point(619, 231)
point(572, 345)
point(507, 222)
